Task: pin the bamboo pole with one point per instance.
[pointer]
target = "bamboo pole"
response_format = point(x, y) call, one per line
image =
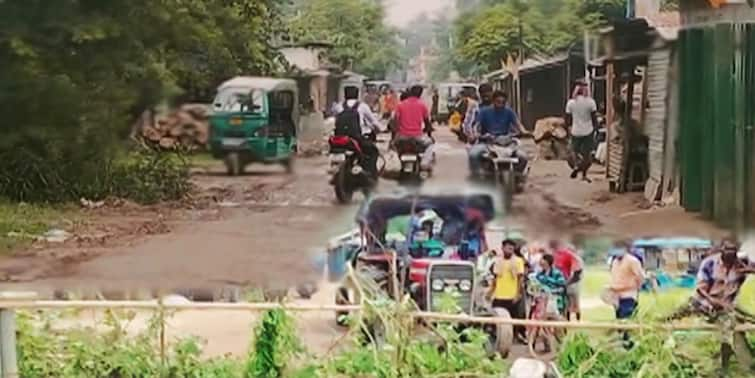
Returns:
point(154, 305)
point(254, 307)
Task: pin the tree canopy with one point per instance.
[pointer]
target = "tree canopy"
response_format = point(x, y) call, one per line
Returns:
point(357, 30)
point(75, 73)
point(488, 33)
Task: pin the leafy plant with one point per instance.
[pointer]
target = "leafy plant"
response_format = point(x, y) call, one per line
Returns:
point(275, 344)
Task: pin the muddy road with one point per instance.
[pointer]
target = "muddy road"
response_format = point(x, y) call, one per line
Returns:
point(266, 228)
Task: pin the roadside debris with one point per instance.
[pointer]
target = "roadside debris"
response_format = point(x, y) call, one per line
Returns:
point(552, 138)
point(185, 127)
point(91, 204)
point(55, 236)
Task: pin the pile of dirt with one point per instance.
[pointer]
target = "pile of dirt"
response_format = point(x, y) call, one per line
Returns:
point(552, 138)
point(184, 128)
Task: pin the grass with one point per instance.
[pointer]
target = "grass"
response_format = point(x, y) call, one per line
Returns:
point(27, 221)
point(651, 304)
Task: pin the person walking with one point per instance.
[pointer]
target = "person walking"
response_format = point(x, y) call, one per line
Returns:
point(627, 276)
point(582, 121)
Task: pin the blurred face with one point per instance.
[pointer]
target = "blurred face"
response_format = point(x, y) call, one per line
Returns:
point(544, 265)
point(499, 102)
point(508, 250)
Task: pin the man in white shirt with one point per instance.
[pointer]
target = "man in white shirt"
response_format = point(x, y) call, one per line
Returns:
point(348, 115)
point(368, 119)
point(582, 120)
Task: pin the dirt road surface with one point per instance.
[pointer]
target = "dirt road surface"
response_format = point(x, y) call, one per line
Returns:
point(265, 228)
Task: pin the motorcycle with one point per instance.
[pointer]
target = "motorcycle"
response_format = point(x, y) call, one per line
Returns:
point(348, 174)
point(499, 163)
point(410, 155)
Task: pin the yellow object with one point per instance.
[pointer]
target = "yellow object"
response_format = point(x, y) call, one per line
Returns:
point(507, 271)
point(454, 122)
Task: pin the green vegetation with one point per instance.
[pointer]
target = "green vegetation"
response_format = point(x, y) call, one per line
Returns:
point(76, 74)
point(384, 341)
point(489, 34)
point(356, 28)
point(21, 222)
point(487, 31)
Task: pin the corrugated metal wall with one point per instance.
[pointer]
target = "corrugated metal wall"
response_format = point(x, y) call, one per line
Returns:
point(716, 118)
point(659, 66)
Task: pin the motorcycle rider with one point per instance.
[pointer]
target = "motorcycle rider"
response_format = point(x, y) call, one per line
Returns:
point(413, 121)
point(486, 94)
point(473, 109)
point(501, 123)
point(355, 120)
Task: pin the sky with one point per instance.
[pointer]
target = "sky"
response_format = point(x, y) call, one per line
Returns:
point(400, 12)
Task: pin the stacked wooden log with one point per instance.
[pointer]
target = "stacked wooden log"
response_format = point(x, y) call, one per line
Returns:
point(552, 138)
point(186, 127)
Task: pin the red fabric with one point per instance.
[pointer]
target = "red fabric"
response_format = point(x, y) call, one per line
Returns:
point(344, 141)
point(566, 261)
point(410, 116)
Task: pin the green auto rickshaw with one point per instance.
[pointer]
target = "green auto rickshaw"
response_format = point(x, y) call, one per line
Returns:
point(254, 120)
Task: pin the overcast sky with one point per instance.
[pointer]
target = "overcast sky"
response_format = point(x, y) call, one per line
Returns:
point(400, 12)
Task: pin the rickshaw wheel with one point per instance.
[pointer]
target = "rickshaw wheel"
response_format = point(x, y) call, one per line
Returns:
point(288, 164)
point(233, 164)
point(504, 333)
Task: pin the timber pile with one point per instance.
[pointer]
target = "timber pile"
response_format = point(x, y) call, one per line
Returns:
point(186, 127)
point(552, 138)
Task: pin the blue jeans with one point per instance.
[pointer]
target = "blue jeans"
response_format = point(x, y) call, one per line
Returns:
point(475, 158)
point(626, 308)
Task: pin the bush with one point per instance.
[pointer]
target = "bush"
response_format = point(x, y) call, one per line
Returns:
point(45, 353)
point(57, 174)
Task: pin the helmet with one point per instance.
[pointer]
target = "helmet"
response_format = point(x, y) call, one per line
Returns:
point(426, 216)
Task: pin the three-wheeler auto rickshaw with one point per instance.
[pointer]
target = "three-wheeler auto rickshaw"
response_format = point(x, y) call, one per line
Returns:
point(254, 120)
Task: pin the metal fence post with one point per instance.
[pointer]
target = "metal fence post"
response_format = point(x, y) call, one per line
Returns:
point(8, 357)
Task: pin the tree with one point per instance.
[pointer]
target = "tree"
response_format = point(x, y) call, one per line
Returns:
point(490, 33)
point(355, 28)
point(75, 73)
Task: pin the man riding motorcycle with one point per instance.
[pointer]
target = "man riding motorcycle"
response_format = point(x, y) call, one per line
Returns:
point(355, 120)
point(413, 121)
point(499, 123)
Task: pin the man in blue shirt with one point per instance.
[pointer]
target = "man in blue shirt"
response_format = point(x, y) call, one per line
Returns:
point(500, 122)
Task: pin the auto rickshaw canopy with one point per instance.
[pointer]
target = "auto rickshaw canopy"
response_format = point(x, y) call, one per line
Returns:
point(268, 84)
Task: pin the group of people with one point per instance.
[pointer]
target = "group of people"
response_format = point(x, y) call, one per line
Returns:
point(557, 267)
point(409, 114)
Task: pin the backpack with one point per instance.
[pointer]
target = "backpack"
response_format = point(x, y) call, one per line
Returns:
point(348, 122)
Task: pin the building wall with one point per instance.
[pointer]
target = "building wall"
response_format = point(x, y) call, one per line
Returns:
point(543, 95)
point(717, 114)
point(302, 57)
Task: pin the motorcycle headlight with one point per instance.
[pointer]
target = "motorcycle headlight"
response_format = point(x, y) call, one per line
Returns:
point(465, 285)
point(437, 285)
